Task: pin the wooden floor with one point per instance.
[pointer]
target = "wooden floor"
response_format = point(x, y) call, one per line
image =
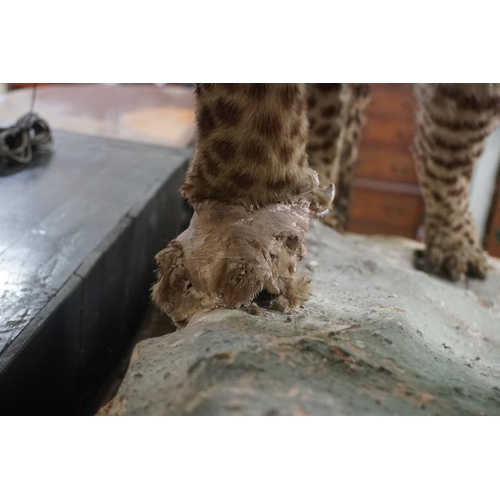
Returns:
point(78, 232)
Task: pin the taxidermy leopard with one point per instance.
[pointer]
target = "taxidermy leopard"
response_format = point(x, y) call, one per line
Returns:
point(266, 159)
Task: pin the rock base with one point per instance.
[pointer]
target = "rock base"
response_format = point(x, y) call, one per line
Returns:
point(377, 337)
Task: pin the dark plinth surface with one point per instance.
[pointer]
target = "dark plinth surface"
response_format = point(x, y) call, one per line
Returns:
point(79, 230)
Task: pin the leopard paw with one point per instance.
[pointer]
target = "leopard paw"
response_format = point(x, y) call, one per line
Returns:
point(229, 255)
point(454, 252)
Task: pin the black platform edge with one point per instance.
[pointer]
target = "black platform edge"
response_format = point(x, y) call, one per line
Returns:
point(58, 362)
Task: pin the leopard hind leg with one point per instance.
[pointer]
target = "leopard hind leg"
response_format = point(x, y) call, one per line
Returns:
point(336, 113)
point(453, 123)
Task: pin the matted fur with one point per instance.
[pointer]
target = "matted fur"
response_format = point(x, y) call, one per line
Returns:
point(255, 146)
point(231, 253)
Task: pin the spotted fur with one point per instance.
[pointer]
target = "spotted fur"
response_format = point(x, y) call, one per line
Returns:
point(453, 123)
point(336, 118)
point(251, 144)
point(259, 144)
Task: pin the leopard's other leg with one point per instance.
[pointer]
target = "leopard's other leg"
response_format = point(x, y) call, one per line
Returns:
point(453, 123)
point(336, 119)
point(248, 183)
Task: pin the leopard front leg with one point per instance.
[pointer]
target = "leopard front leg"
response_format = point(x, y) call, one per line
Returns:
point(249, 184)
point(453, 123)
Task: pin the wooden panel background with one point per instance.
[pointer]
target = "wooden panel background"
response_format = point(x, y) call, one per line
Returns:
point(385, 197)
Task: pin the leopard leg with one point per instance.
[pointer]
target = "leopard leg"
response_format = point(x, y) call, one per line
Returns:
point(336, 119)
point(453, 123)
point(248, 183)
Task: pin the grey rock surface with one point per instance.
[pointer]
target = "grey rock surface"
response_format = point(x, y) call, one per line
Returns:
point(377, 337)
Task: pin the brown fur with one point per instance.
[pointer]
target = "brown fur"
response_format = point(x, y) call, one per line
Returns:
point(251, 169)
point(230, 254)
point(336, 119)
point(251, 144)
point(453, 122)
